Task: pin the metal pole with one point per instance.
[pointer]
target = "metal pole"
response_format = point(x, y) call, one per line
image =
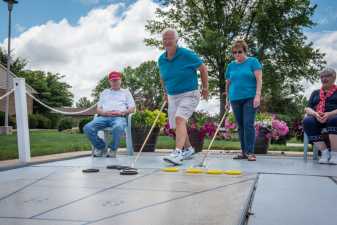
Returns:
point(10, 7)
point(8, 68)
point(22, 119)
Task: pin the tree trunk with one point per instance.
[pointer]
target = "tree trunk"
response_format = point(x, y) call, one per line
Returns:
point(222, 88)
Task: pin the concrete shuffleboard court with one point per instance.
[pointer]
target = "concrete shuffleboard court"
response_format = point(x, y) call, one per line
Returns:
point(59, 193)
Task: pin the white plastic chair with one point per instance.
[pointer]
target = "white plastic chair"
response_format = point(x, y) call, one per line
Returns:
point(305, 150)
point(104, 134)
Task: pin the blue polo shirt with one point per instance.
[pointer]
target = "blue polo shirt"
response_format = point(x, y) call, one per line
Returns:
point(242, 78)
point(180, 73)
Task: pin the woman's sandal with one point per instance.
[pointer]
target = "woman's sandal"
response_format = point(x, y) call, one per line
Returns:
point(251, 158)
point(240, 156)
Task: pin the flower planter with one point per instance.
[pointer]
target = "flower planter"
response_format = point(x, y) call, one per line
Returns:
point(196, 142)
point(262, 142)
point(280, 141)
point(138, 137)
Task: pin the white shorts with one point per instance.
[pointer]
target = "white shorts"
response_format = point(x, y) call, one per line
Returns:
point(182, 105)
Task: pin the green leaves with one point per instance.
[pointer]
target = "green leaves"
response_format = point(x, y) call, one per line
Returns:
point(143, 83)
point(51, 90)
point(83, 103)
point(146, 118)
point(272, 28)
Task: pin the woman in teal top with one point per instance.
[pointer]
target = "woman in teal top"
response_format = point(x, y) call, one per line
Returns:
point(243, 91)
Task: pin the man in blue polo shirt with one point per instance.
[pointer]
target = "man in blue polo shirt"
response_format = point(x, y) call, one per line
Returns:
point(178, 71)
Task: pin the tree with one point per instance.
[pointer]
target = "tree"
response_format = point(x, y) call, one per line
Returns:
point(272, 28)
point(17, 64)
point(51, 90)
point(83, 103)
point(143, 83)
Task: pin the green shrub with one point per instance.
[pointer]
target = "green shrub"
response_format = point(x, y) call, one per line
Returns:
point(43, 122)
point(82, 123)
point(11, 120)
point(2, 118)
point(32, 121)
point(54, 120)
point(65, 124)
point(146, 118)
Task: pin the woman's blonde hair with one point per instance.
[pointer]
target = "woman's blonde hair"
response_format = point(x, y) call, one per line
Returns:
point(240, 44)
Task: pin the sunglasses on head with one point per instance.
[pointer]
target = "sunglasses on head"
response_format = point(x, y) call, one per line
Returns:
point(237, 52)
point(325, 76)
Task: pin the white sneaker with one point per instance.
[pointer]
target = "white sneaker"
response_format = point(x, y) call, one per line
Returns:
point(325, 157)
point(187, 153)
point(98, 153)
point(111, 154)
point(176, 157)
point(333, 159)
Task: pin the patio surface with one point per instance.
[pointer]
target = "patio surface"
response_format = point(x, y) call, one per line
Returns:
point(273, 190)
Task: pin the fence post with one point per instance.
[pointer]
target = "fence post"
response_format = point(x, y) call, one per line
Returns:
point(22, 119)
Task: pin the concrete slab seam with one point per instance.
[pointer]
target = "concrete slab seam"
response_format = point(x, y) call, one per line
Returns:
point(333, 180)
point(26, 186)
point(33, 164)
point(42, 219)
point(248, 203)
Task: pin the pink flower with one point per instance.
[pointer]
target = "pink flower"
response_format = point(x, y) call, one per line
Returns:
point(277, 128)
point(168, 131)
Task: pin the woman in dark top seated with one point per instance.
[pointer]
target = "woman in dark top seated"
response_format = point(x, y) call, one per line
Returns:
point(322, 113)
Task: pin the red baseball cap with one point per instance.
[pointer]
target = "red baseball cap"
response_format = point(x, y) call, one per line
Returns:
point(114, 75)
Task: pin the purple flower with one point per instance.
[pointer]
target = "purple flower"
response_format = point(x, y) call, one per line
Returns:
point(200, 123)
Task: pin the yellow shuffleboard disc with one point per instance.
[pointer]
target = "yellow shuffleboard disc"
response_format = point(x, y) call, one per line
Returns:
point(232, 172)
point(215, 172)
point(194, 170)
point(170, 169)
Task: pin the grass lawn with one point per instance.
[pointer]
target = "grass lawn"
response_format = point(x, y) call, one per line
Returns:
point(44, 143)
point(48, 142)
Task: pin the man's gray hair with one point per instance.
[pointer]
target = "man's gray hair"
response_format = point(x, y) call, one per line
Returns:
point(327, 72)
point(170, 30)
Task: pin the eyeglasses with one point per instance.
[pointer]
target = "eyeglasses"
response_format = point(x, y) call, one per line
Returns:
point(325, 76)
point(237, 52)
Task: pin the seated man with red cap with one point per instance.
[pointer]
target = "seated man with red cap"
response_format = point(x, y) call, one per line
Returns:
point(113, 106)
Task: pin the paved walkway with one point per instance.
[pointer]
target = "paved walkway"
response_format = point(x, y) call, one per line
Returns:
point(7, 164)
